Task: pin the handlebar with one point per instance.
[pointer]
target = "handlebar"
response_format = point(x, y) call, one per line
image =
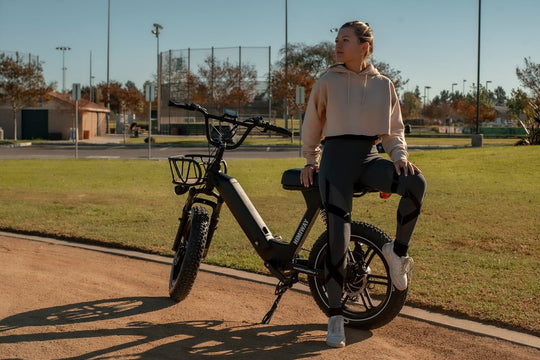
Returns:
point(249, 124)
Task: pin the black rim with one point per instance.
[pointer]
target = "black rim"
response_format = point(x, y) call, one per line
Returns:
point(367, 288)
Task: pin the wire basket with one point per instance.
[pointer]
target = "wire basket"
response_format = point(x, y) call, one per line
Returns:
point(190, 169)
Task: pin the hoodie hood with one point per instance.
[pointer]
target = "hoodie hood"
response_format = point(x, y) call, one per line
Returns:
point(369, 71)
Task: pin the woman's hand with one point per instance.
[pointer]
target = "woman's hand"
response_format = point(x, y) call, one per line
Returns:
point(407, 167)
point(306, 175)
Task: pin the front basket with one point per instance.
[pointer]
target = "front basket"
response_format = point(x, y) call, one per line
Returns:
point(189, 169)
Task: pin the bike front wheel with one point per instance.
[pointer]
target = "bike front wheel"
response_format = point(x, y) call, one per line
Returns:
point(369, 300)
point(189, 253)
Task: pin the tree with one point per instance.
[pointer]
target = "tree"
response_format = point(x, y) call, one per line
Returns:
point(410, 107)
point(529, 77)
point(500, 96)
point(466, 108)
point(393, 74)
point(305, 64)
point(21, 84)
point(125, 98)
point(282, 89)
point(226, 84)
point(527, 112)
point(313, 59)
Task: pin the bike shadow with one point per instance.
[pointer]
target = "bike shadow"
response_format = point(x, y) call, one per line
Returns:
point(193, 339)
point(82, 312)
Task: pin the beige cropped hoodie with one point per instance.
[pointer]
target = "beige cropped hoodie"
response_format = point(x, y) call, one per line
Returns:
point(343, 102)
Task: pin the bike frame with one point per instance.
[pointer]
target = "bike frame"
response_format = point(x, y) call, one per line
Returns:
point(279, 257)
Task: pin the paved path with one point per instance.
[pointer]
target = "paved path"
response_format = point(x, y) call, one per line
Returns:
point(62, 300)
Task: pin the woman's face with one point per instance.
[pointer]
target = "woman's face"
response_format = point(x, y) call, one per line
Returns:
point(349, 50)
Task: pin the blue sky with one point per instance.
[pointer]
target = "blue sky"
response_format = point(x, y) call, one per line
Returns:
point(433, 43)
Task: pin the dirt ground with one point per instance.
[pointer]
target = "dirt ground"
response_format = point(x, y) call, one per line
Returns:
point(59, 302)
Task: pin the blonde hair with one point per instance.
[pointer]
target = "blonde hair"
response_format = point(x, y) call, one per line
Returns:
point(363, 32)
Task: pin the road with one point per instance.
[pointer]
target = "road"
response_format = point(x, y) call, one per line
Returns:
point(119, 151)
point(60, 301)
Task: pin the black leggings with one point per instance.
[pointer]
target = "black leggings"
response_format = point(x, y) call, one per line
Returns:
point(348, 161)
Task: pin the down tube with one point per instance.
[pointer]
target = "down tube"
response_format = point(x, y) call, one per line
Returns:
point(245, 214)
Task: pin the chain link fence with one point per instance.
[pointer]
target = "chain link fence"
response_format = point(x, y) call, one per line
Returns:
point(24, 57)
point(235, 78)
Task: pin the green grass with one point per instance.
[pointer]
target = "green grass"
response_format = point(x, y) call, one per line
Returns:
point(475, 247)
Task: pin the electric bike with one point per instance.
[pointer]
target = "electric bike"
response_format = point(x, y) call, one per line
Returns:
point(369, 298)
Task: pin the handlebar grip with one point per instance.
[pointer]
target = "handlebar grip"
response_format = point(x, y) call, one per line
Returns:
point(280, 130)
point(190, 107)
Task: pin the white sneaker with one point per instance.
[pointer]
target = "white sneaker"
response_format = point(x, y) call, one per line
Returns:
point(336, 331)
point(400, 267)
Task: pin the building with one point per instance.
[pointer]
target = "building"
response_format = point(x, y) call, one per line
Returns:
point(54, 119)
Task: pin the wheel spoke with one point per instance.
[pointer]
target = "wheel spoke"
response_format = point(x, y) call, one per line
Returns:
point(369, 255)
point(366, 300)
point(378, 280)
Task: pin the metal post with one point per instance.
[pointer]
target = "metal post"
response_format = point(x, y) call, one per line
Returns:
point(149, 96)
point(239, 73)
point(76, 129)
point(187, 74)
point(76, 95)
point(169, 89)
point(63, 49)
point(478, 70)
point(269, 83)
point(149, 130)
point(287, 68)
point(156, 31)
point(108, 60)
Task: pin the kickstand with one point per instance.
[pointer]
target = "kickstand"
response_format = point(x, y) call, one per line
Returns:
point(281, 287)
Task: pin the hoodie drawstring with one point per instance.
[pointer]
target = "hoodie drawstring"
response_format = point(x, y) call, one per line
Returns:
point(364, 90)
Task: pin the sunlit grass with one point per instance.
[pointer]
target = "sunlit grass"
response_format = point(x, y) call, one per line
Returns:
point(475, 247)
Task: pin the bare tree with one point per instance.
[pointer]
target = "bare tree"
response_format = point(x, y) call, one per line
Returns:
point(226, 84)
point(529, 76)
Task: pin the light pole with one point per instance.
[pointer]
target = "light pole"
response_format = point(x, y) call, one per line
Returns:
point(453, 84)
point(108, 61)
point(91, 78)
point(464, 81)
point(487, 82)
point(426, 88)
point(63, 49)
point(287, 67)
point(156, 32)
point(477, 140)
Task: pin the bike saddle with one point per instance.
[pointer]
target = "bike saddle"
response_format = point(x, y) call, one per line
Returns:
point(290, 180)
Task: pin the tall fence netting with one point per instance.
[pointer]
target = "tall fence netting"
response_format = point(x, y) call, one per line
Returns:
point(236, 78)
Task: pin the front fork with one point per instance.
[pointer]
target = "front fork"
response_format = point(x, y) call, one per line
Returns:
point(191, 200)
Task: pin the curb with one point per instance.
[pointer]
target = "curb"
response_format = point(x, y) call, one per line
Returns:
point(24, 144)
point(407, 311)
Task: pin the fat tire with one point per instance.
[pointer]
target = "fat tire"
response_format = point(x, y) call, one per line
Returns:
point(391, 303)
point(188, 257)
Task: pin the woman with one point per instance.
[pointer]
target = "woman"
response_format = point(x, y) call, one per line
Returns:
point(352, 106)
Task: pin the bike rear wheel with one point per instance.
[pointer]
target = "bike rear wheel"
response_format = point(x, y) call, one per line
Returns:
point(369, 300)
point(189, 254)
